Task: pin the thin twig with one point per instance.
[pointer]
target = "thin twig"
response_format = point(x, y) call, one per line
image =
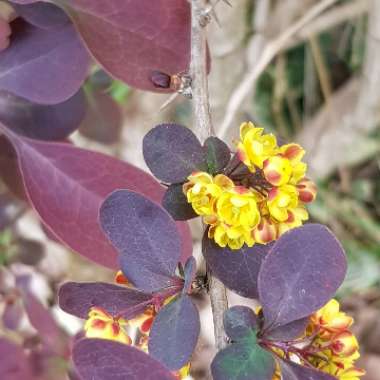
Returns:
point(270, 51)
point(203, 129)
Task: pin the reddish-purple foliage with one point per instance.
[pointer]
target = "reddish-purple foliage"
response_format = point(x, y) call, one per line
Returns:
point(41, 14)
point(14, 364)
point(99, 359)
point(172, 152)
point(66, 186)
point(78, 298)
point(43, 122)
point(103, 119)
point(131, 39)
point(145, 236)
point(302, 271)
point(190, 271)
point(238, 320)
point(237, 269)
point(174, 333)
point(35, 65)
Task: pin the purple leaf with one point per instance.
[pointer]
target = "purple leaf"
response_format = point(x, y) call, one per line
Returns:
point(237, 269)
point(290, 331)
point(104, 120)
point(13, 314)
point(174, 333)
point(66, 186)
point(42, 320)
point(238, 321)
point(243, 360)
point(131, 39)
point(35, 66)
point(43, 122)
point(14, 364)
point(145, 236)
point(172, 152)
point(190, 272)
point(101, 359)
point(176, 204)
point(218, 154)
point(293, 371)
point(78, 298)
point(25, 1)
point(300, 274)
point(42, 15)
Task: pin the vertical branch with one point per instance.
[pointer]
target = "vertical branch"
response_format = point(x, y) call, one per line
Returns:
point(201, 105)
point(203, 128)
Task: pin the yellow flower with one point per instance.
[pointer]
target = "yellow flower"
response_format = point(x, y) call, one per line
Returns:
point(183, 373)
point(101, 324)
point(254, 147)
point(232, 236)
point(265, 232)
point(281, 200)
point(329, 320)
point(277, 170)
point(336, 346)
point(296, 217)
point(294, 153)
point(238, 207)
point(203, 190)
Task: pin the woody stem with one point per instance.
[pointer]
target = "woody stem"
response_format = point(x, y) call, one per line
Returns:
point(203, 129)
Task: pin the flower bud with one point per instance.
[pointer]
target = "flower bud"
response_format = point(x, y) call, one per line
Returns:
point(265, 232)
point(344, 344)
point(307, 190)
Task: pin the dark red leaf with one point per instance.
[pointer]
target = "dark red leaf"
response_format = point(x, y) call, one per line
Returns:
point(131, 39)
point(145, 236)
point(41, 14)
point(103, 120)
point(300, 274)
point(35, 66)
point(14, 364)
point(42, 122)
point(290, 331)
point(172, 152)
point(238, 321)
point(237, 269)
point(218, 154)
point(174, 333)
point(78, 298)
point(42, 320)
point(66, 186)
point(176, 204)
point(13, 314)
point(293, 371)
point(190, 272)
point(101, 359)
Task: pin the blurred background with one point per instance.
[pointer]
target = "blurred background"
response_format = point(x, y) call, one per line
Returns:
point(321, 89)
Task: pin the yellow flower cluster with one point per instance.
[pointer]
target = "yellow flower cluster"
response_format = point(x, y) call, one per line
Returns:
point(332, 347)
point(336, 345)
point(260, 205)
